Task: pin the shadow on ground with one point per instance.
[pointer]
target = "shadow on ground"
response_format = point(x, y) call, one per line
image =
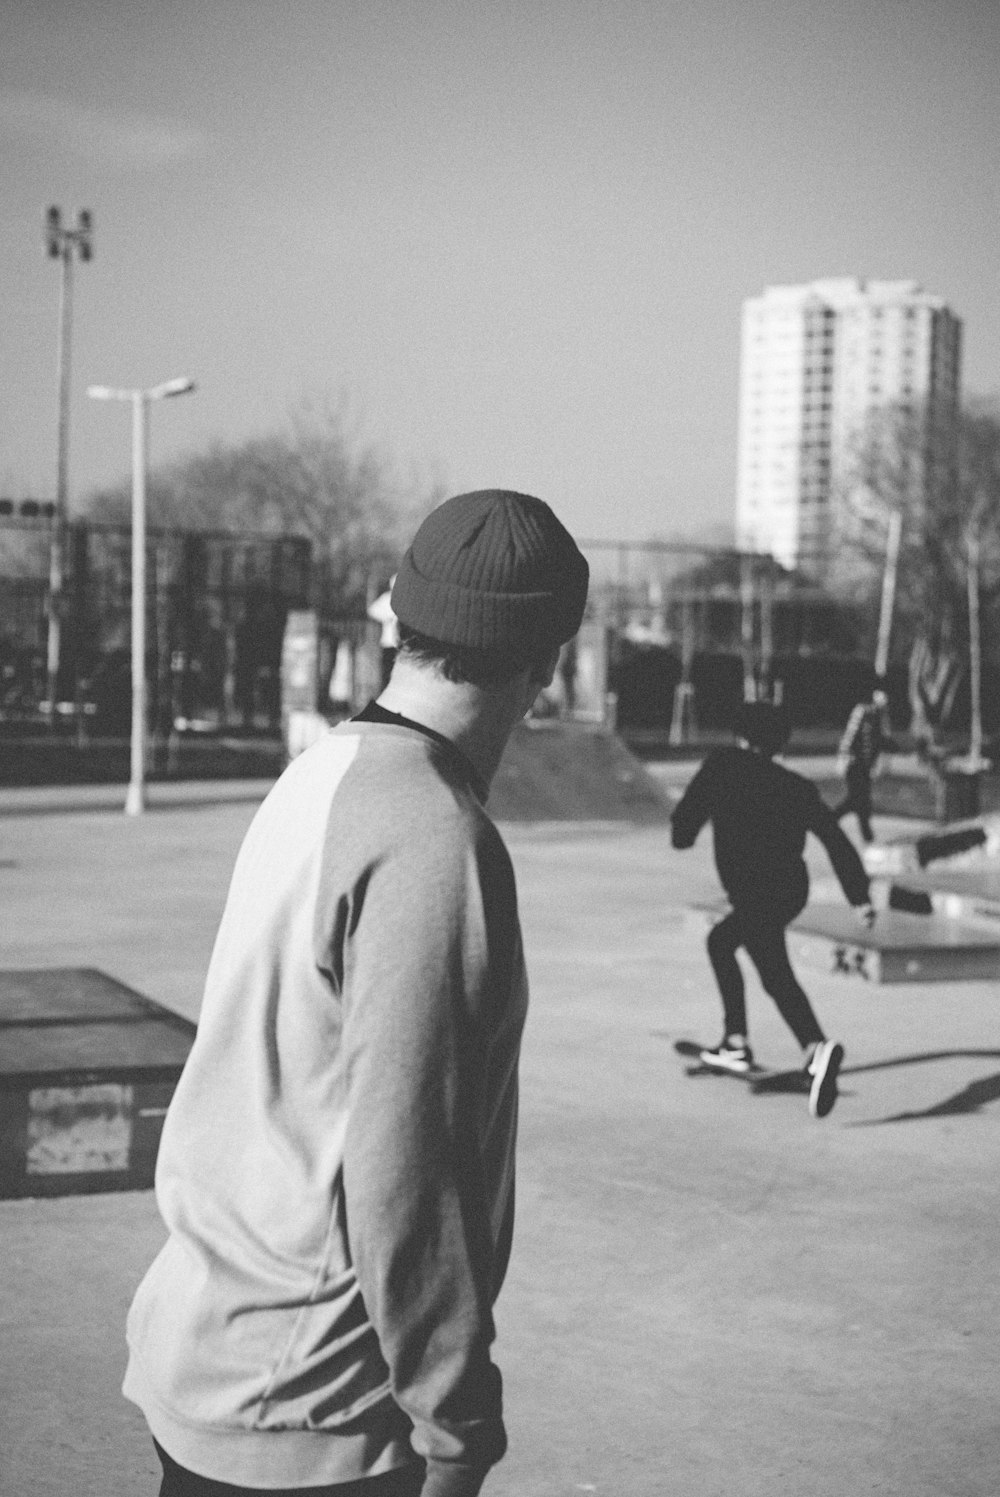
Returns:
point(971, 1098)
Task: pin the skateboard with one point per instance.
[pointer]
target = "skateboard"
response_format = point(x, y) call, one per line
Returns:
point(758, 1078)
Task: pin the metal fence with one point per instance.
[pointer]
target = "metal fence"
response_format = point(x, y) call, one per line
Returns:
point(216, 608)
point(686, 630)
point(695, 629)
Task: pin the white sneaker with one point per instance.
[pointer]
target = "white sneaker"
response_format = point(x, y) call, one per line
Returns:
point(726, 1057)
point(827, 1059)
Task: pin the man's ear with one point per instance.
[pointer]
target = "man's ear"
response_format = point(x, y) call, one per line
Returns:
point(543, 670)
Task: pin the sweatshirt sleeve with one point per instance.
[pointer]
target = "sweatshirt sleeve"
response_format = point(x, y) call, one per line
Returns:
point(419, 984)
point(695, 806)
point(847, 864)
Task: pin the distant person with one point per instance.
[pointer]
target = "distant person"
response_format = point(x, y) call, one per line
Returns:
point(760, 813)
point(336, 1171)
point(382, 612)
point(861, 746)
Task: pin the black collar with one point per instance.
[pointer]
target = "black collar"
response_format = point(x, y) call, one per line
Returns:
point(376, 713)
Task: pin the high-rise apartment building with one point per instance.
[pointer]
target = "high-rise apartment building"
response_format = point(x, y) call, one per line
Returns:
point(816, 361)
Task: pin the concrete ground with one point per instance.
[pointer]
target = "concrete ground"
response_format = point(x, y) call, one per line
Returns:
point(709, 1294)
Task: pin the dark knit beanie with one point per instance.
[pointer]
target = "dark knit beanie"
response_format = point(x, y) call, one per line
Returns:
point(493, 570)
point(763, 725)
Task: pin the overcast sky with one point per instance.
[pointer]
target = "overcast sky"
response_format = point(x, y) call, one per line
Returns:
point(516, 235)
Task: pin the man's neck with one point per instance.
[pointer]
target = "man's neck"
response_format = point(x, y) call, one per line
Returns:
point(477, 720)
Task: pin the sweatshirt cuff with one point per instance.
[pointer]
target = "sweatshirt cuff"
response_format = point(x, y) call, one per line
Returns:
point(448, 1479)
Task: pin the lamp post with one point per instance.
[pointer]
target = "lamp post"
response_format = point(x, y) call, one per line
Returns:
point(60, 243)
point(973, 541)
point(893, 538)
point(139, 399)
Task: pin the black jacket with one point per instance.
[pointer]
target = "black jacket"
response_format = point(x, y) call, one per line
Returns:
point(760, 814)
point(865, 737)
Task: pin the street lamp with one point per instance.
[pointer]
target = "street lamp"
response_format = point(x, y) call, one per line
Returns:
point(973, 541)
point(893, 539)
point(140, 399)
point(60, 243)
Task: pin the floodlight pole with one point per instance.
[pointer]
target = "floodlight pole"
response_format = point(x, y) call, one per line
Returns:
point(888, 591)
point(973, 544)
point(61, 243)
point(746, 625)
point(135, 798)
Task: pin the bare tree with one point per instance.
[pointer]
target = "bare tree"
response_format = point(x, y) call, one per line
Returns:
point(941, 488)
point(979, 473)
point(315, 478)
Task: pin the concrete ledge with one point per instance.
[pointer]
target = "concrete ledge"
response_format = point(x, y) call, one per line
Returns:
point(38, 800)
point(900, 948)
point(87, 1070)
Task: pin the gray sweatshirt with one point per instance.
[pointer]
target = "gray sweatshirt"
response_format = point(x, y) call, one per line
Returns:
point(336, 1171)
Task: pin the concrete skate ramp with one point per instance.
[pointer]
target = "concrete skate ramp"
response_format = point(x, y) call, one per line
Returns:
point(973, 845)
point(87, 1070)
point(558, 771)
point(900, 948)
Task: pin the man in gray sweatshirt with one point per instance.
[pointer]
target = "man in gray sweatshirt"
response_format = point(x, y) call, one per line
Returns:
point(336, 1171)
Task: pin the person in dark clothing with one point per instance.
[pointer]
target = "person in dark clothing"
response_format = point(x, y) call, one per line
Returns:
point(864, 739)
point(760, 814)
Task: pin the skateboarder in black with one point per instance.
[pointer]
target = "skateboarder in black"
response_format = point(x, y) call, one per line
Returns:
point(760, 814)
point(864, 739)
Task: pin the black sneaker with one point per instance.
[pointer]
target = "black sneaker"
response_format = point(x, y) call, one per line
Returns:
point(726, 1057)
point(827, 1059)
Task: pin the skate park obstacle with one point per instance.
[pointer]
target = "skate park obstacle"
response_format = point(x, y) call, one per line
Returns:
point(87, 1070)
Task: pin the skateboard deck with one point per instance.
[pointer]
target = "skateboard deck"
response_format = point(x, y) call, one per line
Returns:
point(758, 1078)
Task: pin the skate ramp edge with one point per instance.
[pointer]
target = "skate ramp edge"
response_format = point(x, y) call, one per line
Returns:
point(559, 771)
point(960, 844)
point(900, 948)
point(87, 1071)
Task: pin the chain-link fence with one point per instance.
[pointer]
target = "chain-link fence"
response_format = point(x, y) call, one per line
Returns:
point(685, 632)
point(695, 630)
point(215, 612)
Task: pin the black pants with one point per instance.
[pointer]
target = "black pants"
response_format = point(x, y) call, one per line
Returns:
point(179, 1482)
point(858, 798)
point(762, 936)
